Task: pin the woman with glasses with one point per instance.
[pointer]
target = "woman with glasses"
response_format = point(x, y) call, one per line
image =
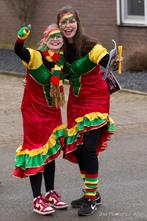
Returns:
point(42, 124)
point(89, 123)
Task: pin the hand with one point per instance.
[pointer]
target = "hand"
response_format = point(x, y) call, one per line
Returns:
point(23, 33)
point(115, 64)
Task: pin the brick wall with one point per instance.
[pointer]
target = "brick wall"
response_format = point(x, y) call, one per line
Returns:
point(8, 24)
point(98, 18)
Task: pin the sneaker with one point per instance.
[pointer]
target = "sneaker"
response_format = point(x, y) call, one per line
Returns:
point(77, 203)
point(88, 207)
point(54, 199)
point(41, 207)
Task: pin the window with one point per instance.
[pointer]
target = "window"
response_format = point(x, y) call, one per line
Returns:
point(132, 12)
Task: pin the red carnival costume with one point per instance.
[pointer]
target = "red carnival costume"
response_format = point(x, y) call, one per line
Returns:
point(88, 103)
point(42, 123)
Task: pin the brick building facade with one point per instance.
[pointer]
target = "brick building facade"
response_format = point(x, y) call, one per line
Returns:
point(98, 17)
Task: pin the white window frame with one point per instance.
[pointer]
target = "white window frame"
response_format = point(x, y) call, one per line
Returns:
point(122, 19)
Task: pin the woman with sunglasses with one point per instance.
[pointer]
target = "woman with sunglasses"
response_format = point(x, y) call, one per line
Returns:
point(42, 124)
point(89, 123)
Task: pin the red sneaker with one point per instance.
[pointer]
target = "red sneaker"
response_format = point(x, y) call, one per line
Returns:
point(54, 199)
point(41, 207)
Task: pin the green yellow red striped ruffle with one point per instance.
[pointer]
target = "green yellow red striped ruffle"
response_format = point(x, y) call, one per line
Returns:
point(30, 162)
point(86, 123)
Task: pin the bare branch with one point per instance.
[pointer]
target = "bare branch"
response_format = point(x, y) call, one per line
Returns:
point(23, 9)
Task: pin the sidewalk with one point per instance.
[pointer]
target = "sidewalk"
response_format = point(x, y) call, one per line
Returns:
point(123, 183)
point(10, 63)
point(127, 109)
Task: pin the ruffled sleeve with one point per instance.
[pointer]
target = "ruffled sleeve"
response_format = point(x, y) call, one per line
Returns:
point(97, 53)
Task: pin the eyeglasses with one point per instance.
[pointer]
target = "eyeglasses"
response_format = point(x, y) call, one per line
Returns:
point(65, 22)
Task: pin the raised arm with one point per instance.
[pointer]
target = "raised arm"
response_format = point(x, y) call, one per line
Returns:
point(19, 48)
